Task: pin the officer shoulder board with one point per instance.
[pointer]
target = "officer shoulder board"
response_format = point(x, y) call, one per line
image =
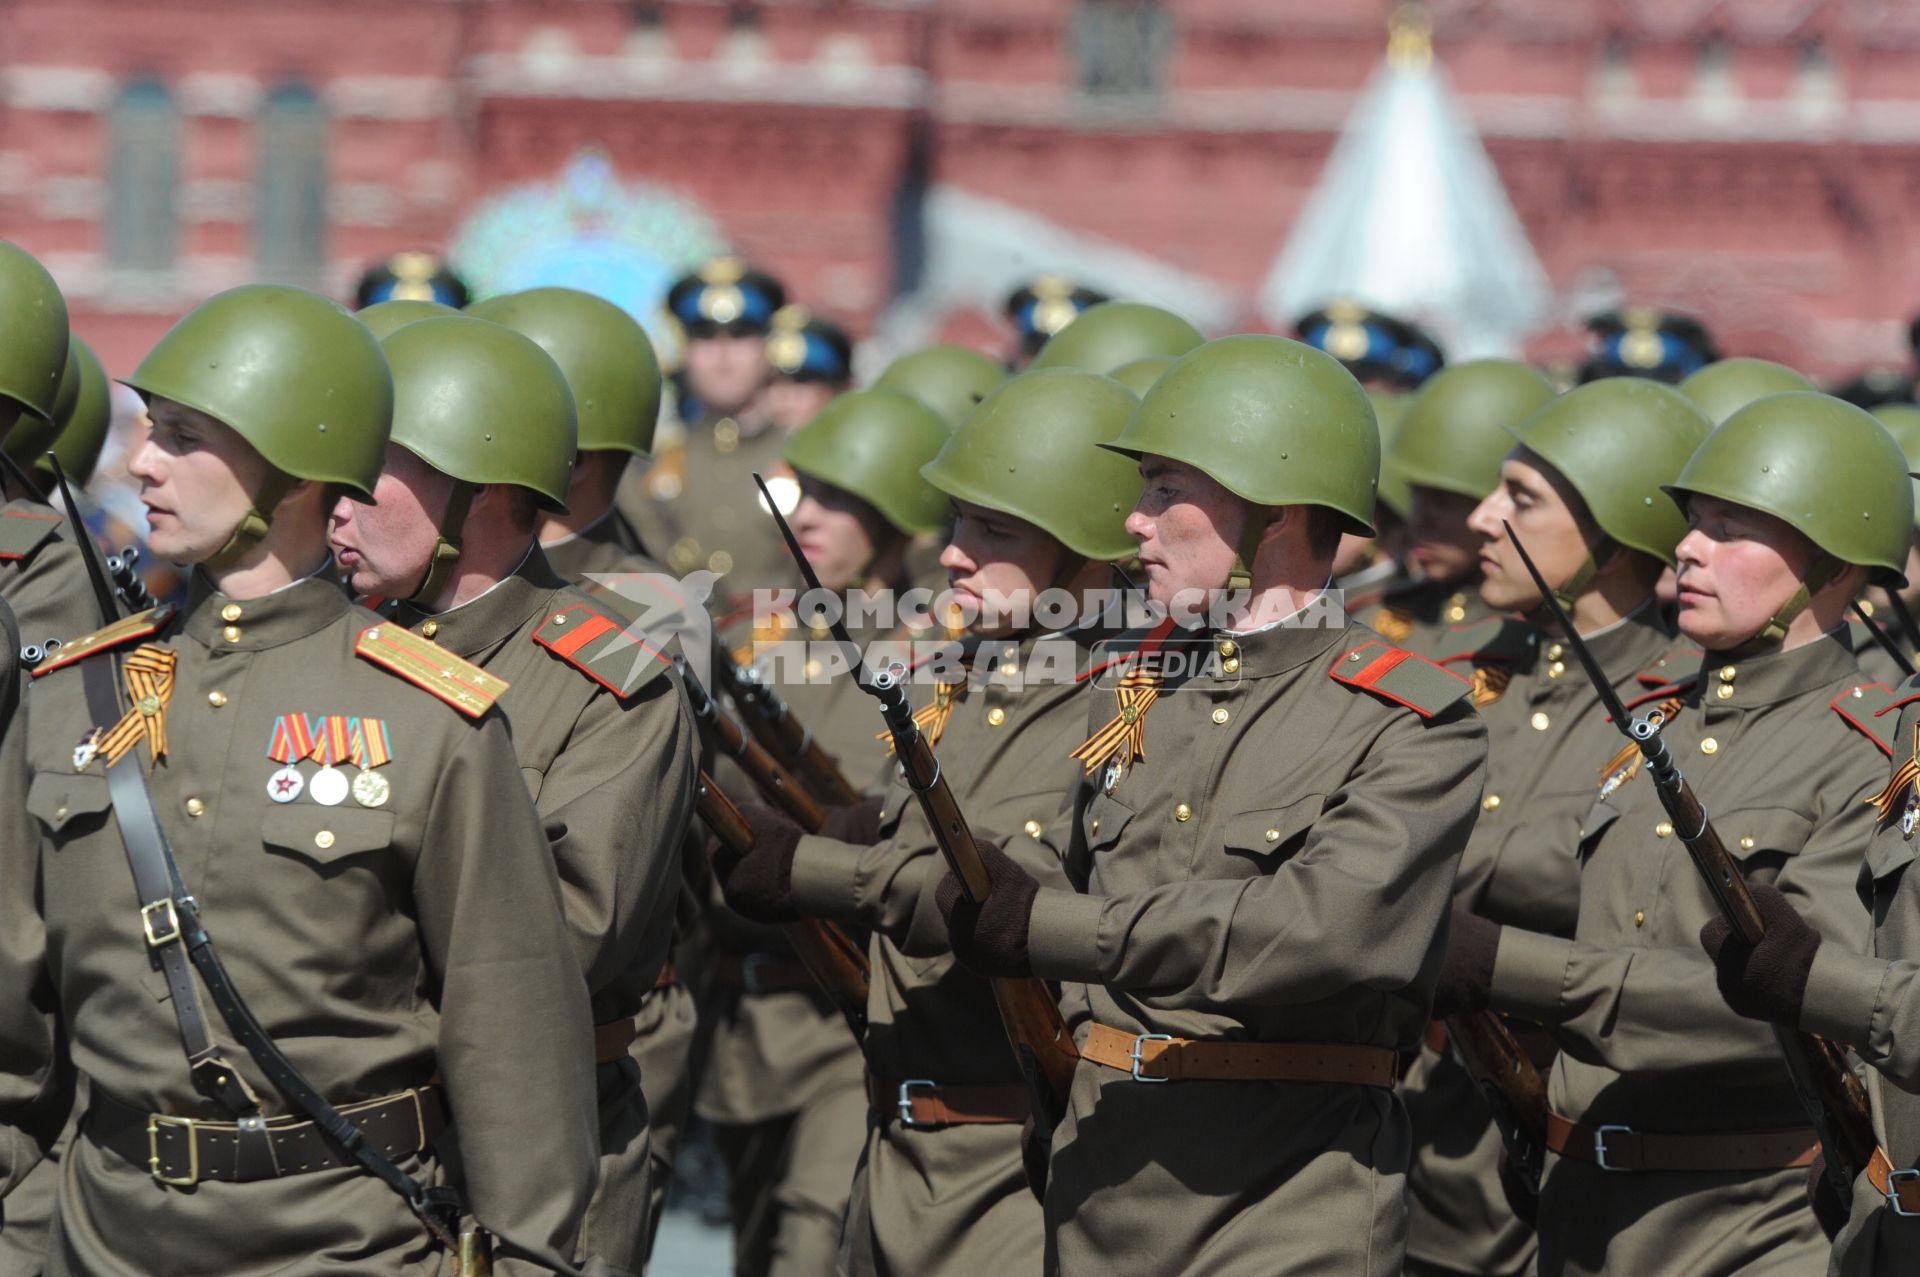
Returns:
point(430, 667)
point(1489, 650)
point(24, 531)
point(1399, 676)
point(123, 631)
point(1866, 708)
point(592, 637)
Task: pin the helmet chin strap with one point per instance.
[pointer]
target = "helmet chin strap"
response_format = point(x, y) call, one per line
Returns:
point(254, 524)
point(1240, 575)
point(446, 546)
point(1582, 577)
point(1821, 570)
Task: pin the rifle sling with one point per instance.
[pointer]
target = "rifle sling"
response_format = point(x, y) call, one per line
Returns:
point(170, 917)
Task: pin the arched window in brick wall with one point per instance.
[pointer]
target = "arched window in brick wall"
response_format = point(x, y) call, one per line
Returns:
point(1120, 47)
point(290, 185)
point(143, 179)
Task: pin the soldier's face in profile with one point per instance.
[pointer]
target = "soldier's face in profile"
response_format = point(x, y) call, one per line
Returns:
point(1738, 568)
point(385, 547)
point(197, 480)
point(727, 370)
point(1548, 517)
point(1440, 544)
point(840, 534)
point(1187, 526)
point(994, 556)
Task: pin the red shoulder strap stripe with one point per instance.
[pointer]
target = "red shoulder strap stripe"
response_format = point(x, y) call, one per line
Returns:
point(578, 636)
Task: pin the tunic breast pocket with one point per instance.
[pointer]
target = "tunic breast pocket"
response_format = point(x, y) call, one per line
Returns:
point(1888, 853)
point(1763, 839)
point(1265, 836)
point(1106, 817)
point(326, 836)
point(68, 804)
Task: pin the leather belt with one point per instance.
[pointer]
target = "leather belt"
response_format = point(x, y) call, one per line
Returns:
point(611, 1040)
point(184, 1151)
point(921, 1102)
point(759, 973)
point(1900, 1188)
point(1160, 1057)
point(1614, 1147)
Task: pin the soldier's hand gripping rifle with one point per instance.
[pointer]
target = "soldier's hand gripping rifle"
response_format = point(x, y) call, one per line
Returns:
point(1836, 1101)
point(1027, 1007)
point(828, 953)
point(782, 735)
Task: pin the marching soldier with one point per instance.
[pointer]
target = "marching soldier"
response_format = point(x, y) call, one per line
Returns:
point(1448, 450)
point(812, 362)
point(1239, 986)
point(1040, 308)
point(1113, 334)
point(81, 431)
point(951, 380)
point(390, 933)
point(483, 438)
point(1383, 352)
point(941, 1187)
point(1903, 423)
point(696, 506)
point(785, 1089)
point(608, 362)
point(1366, 568)
point(1723, 388)
point(1679, 1142)
point(42, 576)
point(1640, 341)
point(1582, 489)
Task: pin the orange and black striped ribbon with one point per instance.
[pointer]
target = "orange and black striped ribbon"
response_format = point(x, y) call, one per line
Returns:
point(932, 719)
point(1126, 730)
point(1490, 683)
point(1625, 765)
point(1901, 782)
point(149, 675)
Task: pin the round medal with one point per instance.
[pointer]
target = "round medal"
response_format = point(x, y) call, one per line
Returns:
point(1115, 770)
point(370, 789)
point(328, 786)
point(285, 785)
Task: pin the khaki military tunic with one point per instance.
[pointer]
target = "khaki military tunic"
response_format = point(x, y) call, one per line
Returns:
point(379, 943)
point(1645, 1039)
point(1545, 729)
point(1427, 618)
point(667, 1021)
point(695, 506)
point(1277, 868)
point(42, 576)
point(1871, 1003)
point(606, 744)
point(953, 1199)
point(1875, 664)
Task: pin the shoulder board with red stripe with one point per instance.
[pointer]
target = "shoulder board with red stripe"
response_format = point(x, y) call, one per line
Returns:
point(1865, 708)
point(24, 531)
point(1399, 676)
point(123, 631)
point(430, 667)
point(601, 646)
point(1501, 640)
point(1664, 691)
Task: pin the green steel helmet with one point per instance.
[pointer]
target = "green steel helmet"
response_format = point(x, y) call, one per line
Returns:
point(951, 380)
point(1723, 388)
point(1455, 432)
point(872, 443)
point(1902, 421)
point(1103, 337)
point(34, 355)
point(387, 316)
point(1617, 441)
point(1818, 464)
point(1390, 409)
point(1140, 375)
point(1272, 420)
point(83, 431)
point(606, 356)
point(484, 404)
point(31, 435)
point(1032, 451)
point(293, 372)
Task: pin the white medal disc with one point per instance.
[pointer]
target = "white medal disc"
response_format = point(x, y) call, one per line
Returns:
point(1115, 770)
point(285, 785)
point(328, 787)
point(370, 789)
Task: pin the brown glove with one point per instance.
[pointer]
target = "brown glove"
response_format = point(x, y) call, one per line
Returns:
point(858, 824)
point(1466, 978)
point(1766, 981)
point(759, 885)
point(991, 937)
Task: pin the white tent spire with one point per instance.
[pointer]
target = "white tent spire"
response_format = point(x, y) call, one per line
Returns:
point(1410, 216)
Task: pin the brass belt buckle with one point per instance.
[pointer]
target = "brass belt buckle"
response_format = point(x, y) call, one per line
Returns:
point(1600, 1145)
point(1894, 1180)
point(169, 930)
point(1138, 1076)
point(906, 1100)
point(155, 1121)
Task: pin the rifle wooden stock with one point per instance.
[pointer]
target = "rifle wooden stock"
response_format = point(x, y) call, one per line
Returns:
point(778, 785)
point(780, 733)
point(1519, 1093)
point(1032, 1017)
point(826, 951)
